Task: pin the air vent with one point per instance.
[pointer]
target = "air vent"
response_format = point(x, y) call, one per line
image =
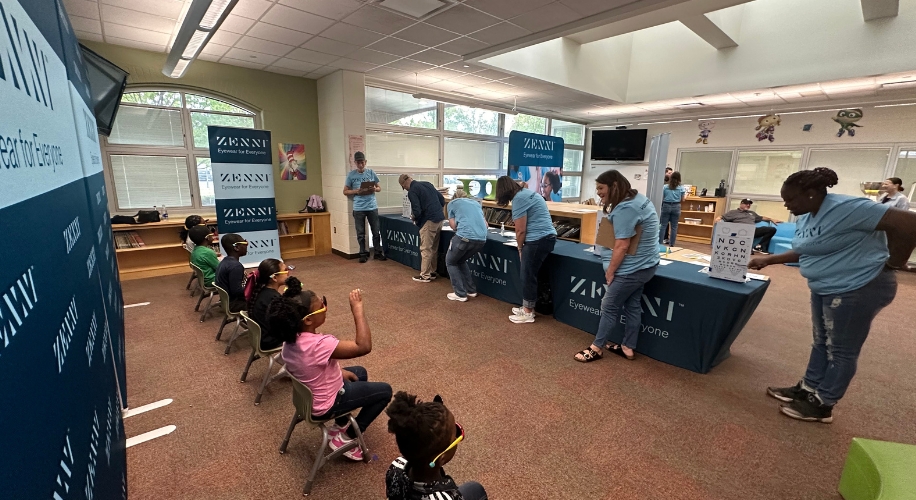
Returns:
point(417, 9)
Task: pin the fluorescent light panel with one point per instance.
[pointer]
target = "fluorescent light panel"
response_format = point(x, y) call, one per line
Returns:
point(197, 41)
point(895, 105)
point(658, 123)
point(201, 20)
point(211, 18)
point(179, 68)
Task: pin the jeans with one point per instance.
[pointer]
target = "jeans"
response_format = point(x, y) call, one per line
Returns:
point(372, 397)
point(429, 247)
point(841, 325)
point(360, 216)
point(671, 213)
point(534, 253)
point(472, 490)
point(456, 261)
point(765, 234)
point(622, 297)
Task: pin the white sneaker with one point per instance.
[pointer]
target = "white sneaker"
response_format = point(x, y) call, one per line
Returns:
point(472, 295)
point(522, 317)
point(452, 296)
point(518, 310)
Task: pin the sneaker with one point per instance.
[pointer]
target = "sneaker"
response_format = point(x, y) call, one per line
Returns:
point(363, 259)
point(810, 409)
point(453, 296)
point(380, 256)
point(421, 279)
point(433, 276)
point(472, 295)
point(518, 310)
point(522, 317)
point(341, 439)
point(789, 394)
point(334, 430)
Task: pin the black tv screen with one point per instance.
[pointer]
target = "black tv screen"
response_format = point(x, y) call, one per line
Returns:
point(619, 145)
point(106, 83)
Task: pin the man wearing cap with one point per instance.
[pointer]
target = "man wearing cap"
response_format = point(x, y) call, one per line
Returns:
point(364, 206)
point(426, 204)
point(744, 215)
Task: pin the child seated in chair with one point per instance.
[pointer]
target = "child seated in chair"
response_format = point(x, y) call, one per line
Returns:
point(312, 357)
point(230, 275)
point(427, 436)
point(203, 256)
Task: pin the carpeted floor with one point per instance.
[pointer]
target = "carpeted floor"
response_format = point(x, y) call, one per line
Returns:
point(539, 425)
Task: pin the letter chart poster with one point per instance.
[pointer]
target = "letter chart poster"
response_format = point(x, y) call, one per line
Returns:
point(538, 161)
point(61, 311)
point(731, 251)
point(243, 178)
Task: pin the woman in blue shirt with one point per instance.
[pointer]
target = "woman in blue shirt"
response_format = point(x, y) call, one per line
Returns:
point(627, 270)
point(672, 196)
point(465, 216)
point(848, 248)
point(536, 239)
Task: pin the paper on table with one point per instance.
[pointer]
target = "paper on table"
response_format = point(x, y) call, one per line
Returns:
point(664, 262)
point(447, 228)
point(509, 234)
point(747, 276)
point(513, 243)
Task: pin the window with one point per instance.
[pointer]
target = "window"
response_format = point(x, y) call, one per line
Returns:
point(391, 149)
point(392, 194)
point(853, 166)
point(705, 169)
point(389, 107)
point(906, 170)
point(573, 134)
point(158, 152)
point(763, 172)
point(471, 120)
point(470, 154)
point(572, 161)
point(525, 123)
point(572, 186)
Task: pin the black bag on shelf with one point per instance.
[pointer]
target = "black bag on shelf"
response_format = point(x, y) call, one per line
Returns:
point(123, 219)
point(144, 216)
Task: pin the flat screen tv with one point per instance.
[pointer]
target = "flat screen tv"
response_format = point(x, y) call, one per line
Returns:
point(106, 84)
point(619, 145)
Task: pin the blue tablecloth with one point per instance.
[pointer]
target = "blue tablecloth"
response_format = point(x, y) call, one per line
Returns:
point(689, 319)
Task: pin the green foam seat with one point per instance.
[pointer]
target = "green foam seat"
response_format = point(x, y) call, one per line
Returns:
point(879, 470)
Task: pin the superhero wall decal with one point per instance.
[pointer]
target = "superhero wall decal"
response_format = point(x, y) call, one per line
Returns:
point(847, 119)
point(706, 127)
point(766, 126)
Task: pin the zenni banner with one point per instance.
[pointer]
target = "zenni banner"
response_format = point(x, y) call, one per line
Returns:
point(537, 160)
point(243, 179)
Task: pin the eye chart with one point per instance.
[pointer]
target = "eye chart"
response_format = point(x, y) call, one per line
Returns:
point(731, 251)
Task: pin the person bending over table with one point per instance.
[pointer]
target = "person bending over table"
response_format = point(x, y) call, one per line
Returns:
point(893, 193)
point(465, 216)
point(230, 275)
point(672, 196)
point(426, 204)
point(312, 357)
point(267, 281)
point(848, 249)
point(626, 274)
point(536, 238)
point(427, 435)
point(203, 256)
point(744, 215)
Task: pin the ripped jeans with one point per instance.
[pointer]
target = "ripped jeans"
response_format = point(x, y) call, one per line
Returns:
point(841, 325)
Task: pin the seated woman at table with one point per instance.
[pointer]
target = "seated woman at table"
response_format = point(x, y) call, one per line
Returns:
point(848, 249)
point(266, 284)
point(893, 194)
point(536, 239)
point(203, 256)
point(465, 216)
point(635, 223)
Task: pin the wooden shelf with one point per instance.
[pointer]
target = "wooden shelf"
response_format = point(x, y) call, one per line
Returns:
point(700, 233)
point(684, 224)
point(697, 212)
point(586, 215)
point(150, 247)
point(290, 235)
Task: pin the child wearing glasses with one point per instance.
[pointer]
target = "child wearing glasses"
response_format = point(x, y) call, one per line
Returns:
point(427, 436)
point(265, 285)
point(312, 358)
point(230, 275)
point(203, 256)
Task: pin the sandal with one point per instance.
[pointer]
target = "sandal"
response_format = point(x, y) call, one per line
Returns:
point(618, 350)
point(588, 355)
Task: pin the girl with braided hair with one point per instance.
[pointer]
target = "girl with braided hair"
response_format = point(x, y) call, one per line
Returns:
point(265, 285)
point(427, 436)
point(848, 249)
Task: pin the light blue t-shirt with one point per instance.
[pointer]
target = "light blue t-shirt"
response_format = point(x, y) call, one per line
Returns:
point(362, 202)
point(625, 217)
point(539, 224)
point(839, 247)
point(469, 219)
point(673, 195)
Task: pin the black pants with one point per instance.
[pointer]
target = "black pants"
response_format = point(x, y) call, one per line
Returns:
point(360, 217)
point(370, 397)
point(765, 234)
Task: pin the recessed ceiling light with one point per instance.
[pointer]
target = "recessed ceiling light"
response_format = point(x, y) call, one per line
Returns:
point(413, 8)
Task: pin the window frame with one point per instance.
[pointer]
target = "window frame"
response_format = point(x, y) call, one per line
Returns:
point(187, 150)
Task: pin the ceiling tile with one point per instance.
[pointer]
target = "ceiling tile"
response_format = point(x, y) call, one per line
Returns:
point(396, 47)
point(92, 37)
point(277, 34)
point(498, 87)
point(500, 33)
point(129, 42)
point(320, 72)
point(352, 65)
point(284, 71)
point(592, 7)
point(82, 8)
point(225, 38)
point(386, 73)
point(136, 19)
point(263, 46)
point(250, 56)
point(462, 67)
point(252, 9)
point(506, 9)
point(425, 34)
point(416, 79)
point(329, 46)
point(311, 56)
point(442, 73)
point(462, 46)
point(463, 19)
point(145, 36)
point(301, 66)
point(214, 49)
point(548, 16)
point(162, 8)
point(241, 63)
point(293, 19)
point(445, 86)
point(236, 24)
point(470, 80)
point(343, 32)
point(409, 65)
point(334, 9)
point(492, 74)
point(379, 20)
point(86, 24)
point(372, 56)
point(208, 57)
point(474, 91)
point(435, 57)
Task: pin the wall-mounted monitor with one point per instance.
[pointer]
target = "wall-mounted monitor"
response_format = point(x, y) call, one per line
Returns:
point(619, 145)
point(106, 83)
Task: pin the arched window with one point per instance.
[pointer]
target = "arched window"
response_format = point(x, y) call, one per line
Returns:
point(158, 154)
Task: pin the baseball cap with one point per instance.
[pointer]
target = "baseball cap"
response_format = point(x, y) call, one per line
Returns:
point(359, 156)
point(403, 178)
point(747, 202)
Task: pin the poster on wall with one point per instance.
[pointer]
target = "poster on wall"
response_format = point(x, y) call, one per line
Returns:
point(243, 182)
point(731, 251)
point(537, 160)
point(291, 158)
point(355, 143)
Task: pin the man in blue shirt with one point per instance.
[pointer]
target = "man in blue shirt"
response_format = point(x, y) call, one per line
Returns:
point(426, 204)
point(364, 206)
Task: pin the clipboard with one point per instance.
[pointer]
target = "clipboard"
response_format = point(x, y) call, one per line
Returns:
point(605, 236)
point(367, 185)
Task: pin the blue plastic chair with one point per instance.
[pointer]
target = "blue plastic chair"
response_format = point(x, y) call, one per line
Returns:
point(761, 224)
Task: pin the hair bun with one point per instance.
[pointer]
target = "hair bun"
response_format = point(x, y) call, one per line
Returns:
point(293, 287)
point(828, 176)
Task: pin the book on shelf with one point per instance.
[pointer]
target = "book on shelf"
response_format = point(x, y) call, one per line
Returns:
point(282, 228)
point(137, 239)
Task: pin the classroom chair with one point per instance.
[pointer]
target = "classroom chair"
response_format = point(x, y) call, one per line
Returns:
point(228, 316)
point(879, 470)
point(302, 399)
point(272, 355)
point(205, 291)
point(193, 274)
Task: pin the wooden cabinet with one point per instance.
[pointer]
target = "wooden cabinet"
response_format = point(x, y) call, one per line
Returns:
point(573, 222)
point(695, 207)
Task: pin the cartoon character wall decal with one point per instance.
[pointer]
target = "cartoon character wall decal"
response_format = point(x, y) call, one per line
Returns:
point(766, 126)
point(705, 129)
point(847, 119)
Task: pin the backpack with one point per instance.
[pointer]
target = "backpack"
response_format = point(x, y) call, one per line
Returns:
point(316, 204)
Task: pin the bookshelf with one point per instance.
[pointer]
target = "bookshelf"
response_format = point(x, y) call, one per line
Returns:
point(162, 252)
point(574, 222)
point(693, 207)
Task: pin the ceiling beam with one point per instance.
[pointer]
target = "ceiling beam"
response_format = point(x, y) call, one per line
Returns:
point(879, 9)
point(709, 31)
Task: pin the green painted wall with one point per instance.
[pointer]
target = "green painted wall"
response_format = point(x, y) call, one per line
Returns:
point(289, 105)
